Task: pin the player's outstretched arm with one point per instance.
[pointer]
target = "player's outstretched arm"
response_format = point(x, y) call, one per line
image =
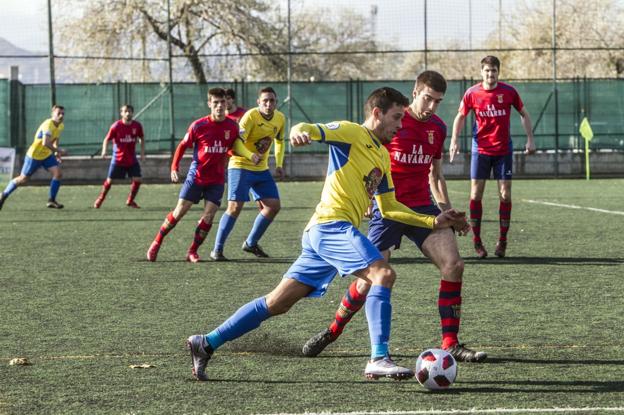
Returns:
point(437, 184)
point(303, 134)
point(391, 208)
point(142, 139)
point(104, 147)
point(453, 218)
point(458, 124)
point(177, 156)
point(240, 150)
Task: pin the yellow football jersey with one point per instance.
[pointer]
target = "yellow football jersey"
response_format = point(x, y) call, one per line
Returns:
point(258, 134)
point(359, 168)
point(37, 150)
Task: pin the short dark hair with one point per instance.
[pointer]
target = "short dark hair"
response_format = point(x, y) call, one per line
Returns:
point(127, 106)
point(384, 98)
point(216, 92)
point(266, 89)
point(57, 107)
point(490, 60)
point(230, 93)
point(433, 80)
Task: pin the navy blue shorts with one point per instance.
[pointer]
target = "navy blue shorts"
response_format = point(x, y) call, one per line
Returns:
point(121, 172)
point(31, 165)
point(260, 183)
point(481, 165)
point(194, 192)
point(386, 233)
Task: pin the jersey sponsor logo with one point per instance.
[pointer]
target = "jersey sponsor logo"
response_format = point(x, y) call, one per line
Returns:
point(430, 136)
point(332, 125)
point(216, 148)
point(417, 156)
point(263, 144)
point(500, 98)
point(371, 181)
point(491, 111)
point(127, 139)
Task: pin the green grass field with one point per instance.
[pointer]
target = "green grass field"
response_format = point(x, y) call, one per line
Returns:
point(80, 301)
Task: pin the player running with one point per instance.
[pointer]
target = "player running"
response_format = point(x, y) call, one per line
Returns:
point(416, 166)
point(43, 152)
point(124, 133)
point(492, 148)
point(259, 128)
point(359, 168)
point(210, 137)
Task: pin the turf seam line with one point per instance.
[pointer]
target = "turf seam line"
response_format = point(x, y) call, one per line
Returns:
point(540, 202)
point(471, 411)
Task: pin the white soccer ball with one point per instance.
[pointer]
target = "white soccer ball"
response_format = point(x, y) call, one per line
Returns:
point(436, 369)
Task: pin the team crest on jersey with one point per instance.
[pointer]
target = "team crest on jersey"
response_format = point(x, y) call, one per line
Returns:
point(227, 135)
point(263, 145)
point(332, 126)
point(500, 98)
point(371, 181)
point(430, 136)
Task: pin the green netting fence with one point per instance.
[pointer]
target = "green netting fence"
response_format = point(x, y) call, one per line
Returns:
point(92, 108)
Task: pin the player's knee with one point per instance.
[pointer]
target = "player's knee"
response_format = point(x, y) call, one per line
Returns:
point(384, 276)
point(362, 286)
point(277, 307)
point(21, 179)
point(58, 175)
point(453, 270)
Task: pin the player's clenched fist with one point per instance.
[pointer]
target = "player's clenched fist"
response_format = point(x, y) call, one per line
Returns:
point(299, 139)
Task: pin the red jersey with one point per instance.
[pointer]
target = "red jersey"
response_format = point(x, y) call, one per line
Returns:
point(412, 151)
point(237, 115)
point(124, 141)
point(210, 141)
point(492, 108)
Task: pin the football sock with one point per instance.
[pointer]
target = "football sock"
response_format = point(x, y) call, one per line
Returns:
point(169, 223)
point(350, 304)
point(244, 320)
point(504, 212)
point(449, 306)
point(9, 189)
point(378, 314)
point(200, 234)
point(105, 188)
point(259, 227)
point(225, 227)
point(55, 184)
point(134, 189)
point(476, 212)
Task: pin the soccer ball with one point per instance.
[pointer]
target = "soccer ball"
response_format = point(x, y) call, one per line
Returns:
point(436, 369)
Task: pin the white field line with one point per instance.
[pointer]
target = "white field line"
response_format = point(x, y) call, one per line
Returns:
point(592, 410)
point(539, 202)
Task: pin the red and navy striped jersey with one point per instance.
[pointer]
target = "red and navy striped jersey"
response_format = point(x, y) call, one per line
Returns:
point(124, 138)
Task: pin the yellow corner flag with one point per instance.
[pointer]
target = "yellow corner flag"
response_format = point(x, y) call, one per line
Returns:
point(585, 130)
point(588, 134)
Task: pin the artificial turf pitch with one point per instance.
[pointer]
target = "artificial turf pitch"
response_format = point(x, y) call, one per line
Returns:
point(80, 301)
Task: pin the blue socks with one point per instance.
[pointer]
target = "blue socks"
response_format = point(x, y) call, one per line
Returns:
point(9, 189)
point(379, 314)
point(226, 224)
point(54, 188)
point(259, 227)
point(244, 320)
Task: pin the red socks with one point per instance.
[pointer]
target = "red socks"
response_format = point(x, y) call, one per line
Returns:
point(200, 234)
point(134, 189)
point(449, 305)
point(350, 304)
point(169, 223)
point(476, 213)
point(504, 212)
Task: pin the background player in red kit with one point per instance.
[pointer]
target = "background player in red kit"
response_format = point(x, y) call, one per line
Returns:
point(124, 133)
point(210, 137)
point(232, 110)
point(416, 166)
point(492, 148)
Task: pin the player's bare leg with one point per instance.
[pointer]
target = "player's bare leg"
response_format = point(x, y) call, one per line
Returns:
point(203, 227)
point(270, 209)
point(504, 211)
point(477, 186)
point(105, 188)
point(170, 222)
point(13, 184)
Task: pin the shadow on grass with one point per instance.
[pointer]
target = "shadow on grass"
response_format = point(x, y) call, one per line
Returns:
point(543, 386)
point(223, 263)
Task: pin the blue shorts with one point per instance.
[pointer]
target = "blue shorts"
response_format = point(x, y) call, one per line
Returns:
point(481, 165)
point(194, 192)
point(31, 165)
point(386, 233)
point(329, 249)
point(260, 183)
point(116, 171)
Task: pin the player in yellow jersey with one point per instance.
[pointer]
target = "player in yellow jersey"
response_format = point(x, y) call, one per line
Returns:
point(259, 128)
point(43, 152)
point(359, 169)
